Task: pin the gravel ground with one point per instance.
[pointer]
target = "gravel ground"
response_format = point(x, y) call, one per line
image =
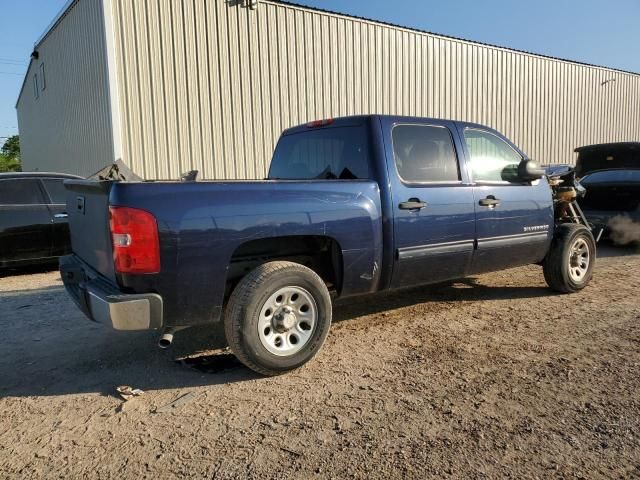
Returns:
point(494, 376)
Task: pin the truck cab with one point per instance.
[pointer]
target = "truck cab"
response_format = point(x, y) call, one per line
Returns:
point(454, 204)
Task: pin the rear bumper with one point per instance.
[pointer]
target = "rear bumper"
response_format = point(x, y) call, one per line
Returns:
point(103, 302)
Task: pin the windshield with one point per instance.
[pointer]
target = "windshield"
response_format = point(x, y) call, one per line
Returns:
point(612, 176)
point(323, 153)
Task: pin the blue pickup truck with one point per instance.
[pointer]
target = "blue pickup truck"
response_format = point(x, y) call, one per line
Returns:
point(351, 206)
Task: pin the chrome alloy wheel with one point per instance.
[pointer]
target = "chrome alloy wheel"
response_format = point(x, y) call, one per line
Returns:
point(579, 258)
point(287, 321)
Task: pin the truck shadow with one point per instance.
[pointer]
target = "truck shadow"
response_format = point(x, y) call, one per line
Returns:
point(50, 348)
point(467, 289)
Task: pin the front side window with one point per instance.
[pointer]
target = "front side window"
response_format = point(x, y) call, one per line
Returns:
point(20, 192)
point(492, 159)
point(55, 189)
point(326, 153)
point(425, 154)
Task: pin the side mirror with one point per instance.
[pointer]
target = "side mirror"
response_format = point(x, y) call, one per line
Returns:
point(528, 170)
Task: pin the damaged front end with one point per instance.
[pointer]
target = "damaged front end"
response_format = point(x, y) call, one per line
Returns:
point(567, 190)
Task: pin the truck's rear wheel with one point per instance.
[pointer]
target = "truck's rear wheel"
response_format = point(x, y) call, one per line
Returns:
point(568, 266)
point(278, 317)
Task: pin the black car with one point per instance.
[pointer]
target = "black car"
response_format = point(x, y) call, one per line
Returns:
point(611, 174)
point(33, 218)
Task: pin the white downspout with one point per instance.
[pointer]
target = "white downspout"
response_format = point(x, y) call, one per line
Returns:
point(112, 78)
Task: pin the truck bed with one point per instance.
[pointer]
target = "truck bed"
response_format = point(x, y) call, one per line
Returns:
point(202, 224)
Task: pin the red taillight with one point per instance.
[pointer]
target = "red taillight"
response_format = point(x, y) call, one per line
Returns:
point(134, 234)
point(320, 123)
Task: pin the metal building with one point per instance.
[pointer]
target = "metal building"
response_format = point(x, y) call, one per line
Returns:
point(175, 85)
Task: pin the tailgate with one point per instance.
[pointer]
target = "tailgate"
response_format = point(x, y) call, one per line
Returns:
point(88, 209)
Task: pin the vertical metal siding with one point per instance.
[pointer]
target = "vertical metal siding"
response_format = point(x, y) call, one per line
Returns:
point(68, 128)
point(209, 85)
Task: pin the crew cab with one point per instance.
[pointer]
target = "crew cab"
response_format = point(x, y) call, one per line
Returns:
point(351, 206)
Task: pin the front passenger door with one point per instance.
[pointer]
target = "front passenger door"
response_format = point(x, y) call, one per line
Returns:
point(513, 218)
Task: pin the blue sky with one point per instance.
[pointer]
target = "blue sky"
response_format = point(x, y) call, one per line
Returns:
point(23, 21)
point(593, 31)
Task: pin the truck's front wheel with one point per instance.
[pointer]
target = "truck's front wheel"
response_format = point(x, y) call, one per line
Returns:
point(569, 264)
point(278, 317)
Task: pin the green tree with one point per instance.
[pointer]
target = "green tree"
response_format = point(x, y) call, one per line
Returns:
point(11, 147)
point(10, 155)
point(8, 164)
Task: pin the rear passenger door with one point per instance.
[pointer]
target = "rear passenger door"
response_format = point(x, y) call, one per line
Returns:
point(513, 218)
point(433, 212)
point(25, 223)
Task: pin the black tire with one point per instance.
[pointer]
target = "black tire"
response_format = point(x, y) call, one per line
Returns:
point(246, 305)
point(558, 262)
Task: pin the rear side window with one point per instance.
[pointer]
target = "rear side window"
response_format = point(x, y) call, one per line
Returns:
point(492, 159)
point(20, 192)
point(55, 189)
point(325, 153)
point(425, 153)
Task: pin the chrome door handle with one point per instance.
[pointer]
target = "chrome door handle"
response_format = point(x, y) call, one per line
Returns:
point(61, 215)
point(412, 204)
point(490, 201)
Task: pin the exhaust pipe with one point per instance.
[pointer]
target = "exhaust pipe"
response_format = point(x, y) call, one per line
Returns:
point(167, 337)
point(165, 340)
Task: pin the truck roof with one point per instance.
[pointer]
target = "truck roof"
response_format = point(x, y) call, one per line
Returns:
point(355, 120)
point(6, 175)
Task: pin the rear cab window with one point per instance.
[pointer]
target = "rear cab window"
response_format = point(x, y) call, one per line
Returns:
point(20, 191)
point(328, 153)
point(425, 154)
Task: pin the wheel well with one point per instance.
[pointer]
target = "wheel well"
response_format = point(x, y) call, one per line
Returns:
point(319, 253)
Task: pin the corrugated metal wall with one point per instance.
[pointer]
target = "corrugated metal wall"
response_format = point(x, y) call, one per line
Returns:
point(210, 85)
point(68, 127)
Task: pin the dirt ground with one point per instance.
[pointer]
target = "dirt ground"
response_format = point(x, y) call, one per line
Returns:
point(491, 377)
